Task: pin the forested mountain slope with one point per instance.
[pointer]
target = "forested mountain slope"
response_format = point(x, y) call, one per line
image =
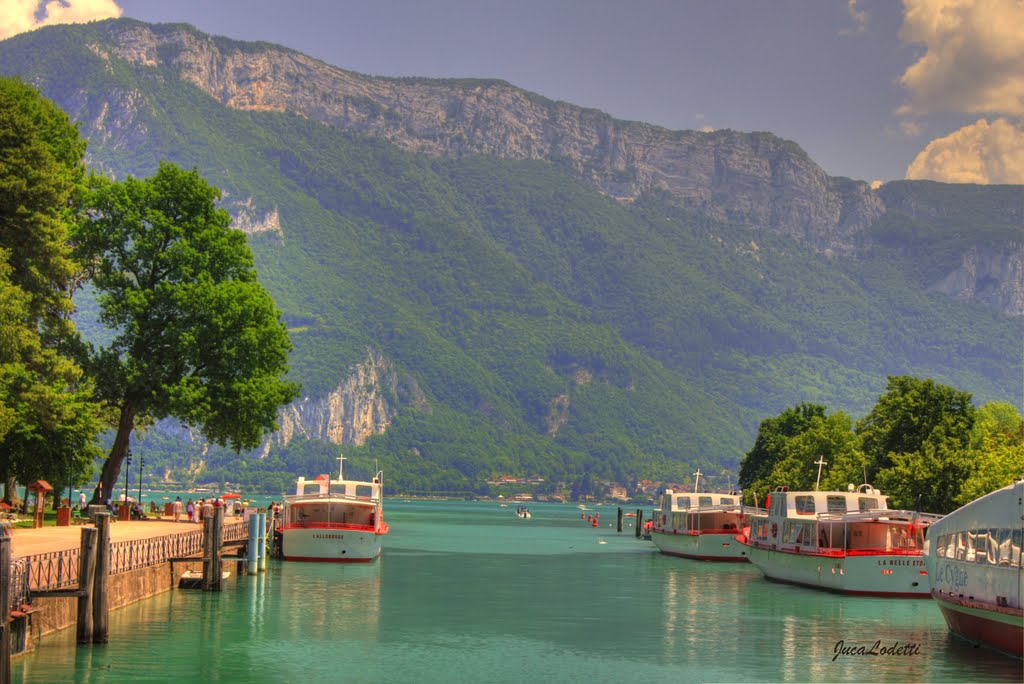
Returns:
point(460, 312)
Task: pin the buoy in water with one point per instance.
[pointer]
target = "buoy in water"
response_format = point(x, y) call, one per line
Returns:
point(595, 523)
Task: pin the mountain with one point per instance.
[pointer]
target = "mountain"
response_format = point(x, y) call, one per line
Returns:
point(480, 281)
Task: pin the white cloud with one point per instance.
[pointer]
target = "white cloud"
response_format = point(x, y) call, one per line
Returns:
point(18, 16)
point(859, 17)
point(979, 153)
point(973, 63)
point(974, 57)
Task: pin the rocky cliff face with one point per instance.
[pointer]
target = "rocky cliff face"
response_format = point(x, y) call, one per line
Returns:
point(361, 406)
point(991, 277)
point(755, 179)
point(752, 178)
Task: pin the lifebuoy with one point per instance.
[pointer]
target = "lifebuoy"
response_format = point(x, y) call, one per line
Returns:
point(775, 529)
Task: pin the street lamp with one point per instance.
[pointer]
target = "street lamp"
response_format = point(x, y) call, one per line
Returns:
point(142, 462)
point(127, 462)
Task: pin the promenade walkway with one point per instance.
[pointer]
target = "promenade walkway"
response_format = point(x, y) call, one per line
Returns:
point(29, 542)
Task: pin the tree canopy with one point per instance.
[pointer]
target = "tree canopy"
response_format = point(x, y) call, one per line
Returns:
point(923, 443)
point(47, 419)
point(196, 336)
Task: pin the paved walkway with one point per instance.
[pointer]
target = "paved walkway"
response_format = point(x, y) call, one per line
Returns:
point(28, 542)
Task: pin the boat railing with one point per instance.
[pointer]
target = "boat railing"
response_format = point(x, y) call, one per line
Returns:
point(336, 496)
point(881, 515)
point(718, 508)
point(324, 525)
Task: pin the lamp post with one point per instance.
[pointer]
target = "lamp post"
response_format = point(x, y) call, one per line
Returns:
point(127, 462)
point(142, 462)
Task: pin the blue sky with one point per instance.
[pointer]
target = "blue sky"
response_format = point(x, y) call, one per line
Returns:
point(869, 88)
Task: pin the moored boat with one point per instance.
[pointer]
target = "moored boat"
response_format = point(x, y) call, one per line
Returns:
point(700, 525)
point(975, 569)
point(334, 520)
point(849, 542)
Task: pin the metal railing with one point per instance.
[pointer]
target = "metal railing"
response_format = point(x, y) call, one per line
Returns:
point(60, 569)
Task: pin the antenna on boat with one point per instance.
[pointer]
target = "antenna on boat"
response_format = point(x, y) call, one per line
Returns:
point(820, 462)
point(696, 483)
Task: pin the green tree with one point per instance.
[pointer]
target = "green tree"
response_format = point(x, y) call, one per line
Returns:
point(910, 414)
point(48, 421)
point(997, 442)
point(769, 446)
point(916, 442)
point(809, 436)
point(196, 336)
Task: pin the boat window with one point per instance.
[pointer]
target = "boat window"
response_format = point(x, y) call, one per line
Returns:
point(798, 532)
point(704, 501)
point(1002, 541)
point(684, 502)
point(727, 501)
point(940, 546)
point(969, 552)
point(759, 528)
point(867, 503)
point(364, 491)
point(981, 541)
point(836, 504)
point(778, 504)
point(1015, 545)
point(805, 505)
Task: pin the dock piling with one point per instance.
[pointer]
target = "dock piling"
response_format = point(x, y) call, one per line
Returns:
point(253, 566)
point(620, 519)
point(5, 603)
point(101, 585)
point(86, 580)
point(261, 553)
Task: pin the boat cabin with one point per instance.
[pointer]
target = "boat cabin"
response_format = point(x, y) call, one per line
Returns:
point(699, 511)
point(324, 485)
point(323, 502)
point(858, 520)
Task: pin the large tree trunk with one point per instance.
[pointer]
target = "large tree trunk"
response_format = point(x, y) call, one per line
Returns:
point(11, 490)
point(112, 466)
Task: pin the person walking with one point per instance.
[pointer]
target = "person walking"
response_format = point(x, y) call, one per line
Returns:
point(190, 508)
point(176, 508)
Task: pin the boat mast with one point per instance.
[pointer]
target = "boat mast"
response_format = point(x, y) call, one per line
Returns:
point(820, 462)
point(696, 483)
point(341, 466)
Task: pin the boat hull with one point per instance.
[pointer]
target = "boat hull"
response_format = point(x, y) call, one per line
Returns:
point(711, 546)
point(974, 562)
point(983, 626)
point(330, 545)
point(895, 575)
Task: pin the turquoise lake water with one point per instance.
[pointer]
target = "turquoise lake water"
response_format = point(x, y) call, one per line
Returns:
point(468, 592)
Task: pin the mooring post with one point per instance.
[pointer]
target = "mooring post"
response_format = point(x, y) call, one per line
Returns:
point(261, 553)
point(5, 603)
point(86, 578)
point(217, 533)
point(253, 566)
point(639, 521)
point(620, 519)
point(207, 555)
point(101, 584)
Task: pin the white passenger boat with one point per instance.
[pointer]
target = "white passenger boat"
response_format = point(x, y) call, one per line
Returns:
point(849, 542)
point(334, 520)
point(701, 525)
point(975, 569)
